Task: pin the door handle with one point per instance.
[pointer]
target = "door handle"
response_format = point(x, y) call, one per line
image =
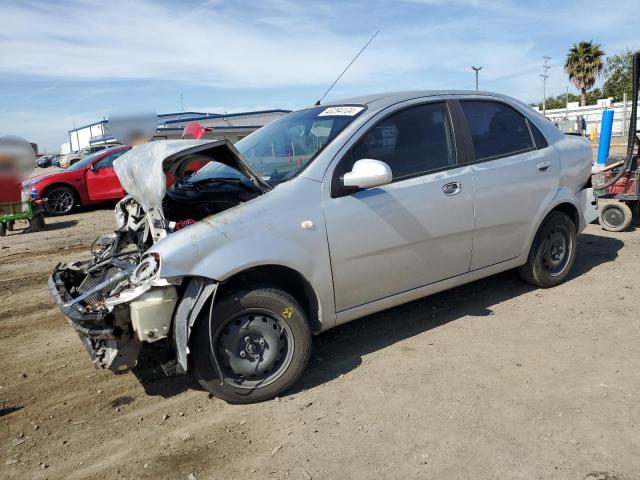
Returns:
point(544, 166)
point(452, 188)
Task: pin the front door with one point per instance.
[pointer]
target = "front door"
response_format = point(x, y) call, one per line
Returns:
point(514, 174)
point(410, 233)
point(102, 181)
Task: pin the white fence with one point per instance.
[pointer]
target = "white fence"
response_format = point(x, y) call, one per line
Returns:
point(567, 118)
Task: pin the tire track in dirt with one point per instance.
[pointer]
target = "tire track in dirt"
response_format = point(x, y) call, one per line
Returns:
point(29, 309)
point(26, 282)
point(32, 256)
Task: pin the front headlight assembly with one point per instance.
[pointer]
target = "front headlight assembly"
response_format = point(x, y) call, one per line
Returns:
point(147, 270)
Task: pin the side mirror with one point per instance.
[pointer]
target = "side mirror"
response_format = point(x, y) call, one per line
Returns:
point(368, 173)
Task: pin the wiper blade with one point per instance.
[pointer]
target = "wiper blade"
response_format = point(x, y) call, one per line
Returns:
point(216, 180)
point(245, 184)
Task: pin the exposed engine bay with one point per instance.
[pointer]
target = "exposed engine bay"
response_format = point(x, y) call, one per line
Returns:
point(195, 198)
point(115, 300)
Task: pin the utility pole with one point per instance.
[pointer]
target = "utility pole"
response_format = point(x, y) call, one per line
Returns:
point(544, 76)
point(477, 69)
point(181, 103)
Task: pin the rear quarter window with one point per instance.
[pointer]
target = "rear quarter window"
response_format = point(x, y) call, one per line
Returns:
point(538, 137)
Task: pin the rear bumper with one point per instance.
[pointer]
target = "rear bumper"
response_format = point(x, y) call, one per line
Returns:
point(588, 205)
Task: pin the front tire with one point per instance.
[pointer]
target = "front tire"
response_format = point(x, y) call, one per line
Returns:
point(258, 340)
point(552, 253)
point(615, 216)
point(37, 223)
point(60, 200)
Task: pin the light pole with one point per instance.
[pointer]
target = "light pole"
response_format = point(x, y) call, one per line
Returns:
point(477, 69)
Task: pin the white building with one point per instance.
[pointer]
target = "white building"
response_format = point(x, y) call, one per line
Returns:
point(232, 126)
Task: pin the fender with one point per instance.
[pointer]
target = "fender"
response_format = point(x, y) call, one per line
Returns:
point(195, 296)
point(560, 196)
point(265, 231)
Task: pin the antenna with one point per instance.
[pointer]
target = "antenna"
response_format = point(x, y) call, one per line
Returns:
point(351, 63)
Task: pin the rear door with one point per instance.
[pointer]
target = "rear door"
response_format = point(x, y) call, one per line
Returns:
point(515, 175)
point(102, 181)
point(416, 230)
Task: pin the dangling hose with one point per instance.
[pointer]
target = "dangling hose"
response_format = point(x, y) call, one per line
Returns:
point(632, 138)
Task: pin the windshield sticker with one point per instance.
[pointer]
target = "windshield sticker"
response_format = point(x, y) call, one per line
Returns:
point(348, 111)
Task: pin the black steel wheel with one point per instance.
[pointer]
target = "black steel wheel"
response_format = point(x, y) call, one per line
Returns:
point(552, 253)
point(615, 216)
point(255, 347)
point(556, 249)
point(60, 200)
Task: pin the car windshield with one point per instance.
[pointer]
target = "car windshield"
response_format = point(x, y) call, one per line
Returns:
point(281, 149)
point(80, 164)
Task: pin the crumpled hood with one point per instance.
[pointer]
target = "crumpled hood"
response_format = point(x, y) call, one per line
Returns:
point(142, 170)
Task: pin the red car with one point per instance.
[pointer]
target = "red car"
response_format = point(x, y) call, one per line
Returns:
point(90, 180)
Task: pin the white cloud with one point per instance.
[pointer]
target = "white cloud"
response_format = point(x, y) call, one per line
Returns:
point(481, 4)
point(284, 43)
point(140, 40)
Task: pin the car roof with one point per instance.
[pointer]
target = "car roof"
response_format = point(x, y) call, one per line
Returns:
point(381, 100)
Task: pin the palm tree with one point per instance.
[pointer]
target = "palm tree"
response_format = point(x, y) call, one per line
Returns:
point(583, 65)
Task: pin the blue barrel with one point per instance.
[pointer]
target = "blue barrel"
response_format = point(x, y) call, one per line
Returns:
point(605, 137)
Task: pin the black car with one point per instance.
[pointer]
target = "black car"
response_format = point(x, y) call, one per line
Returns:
point(47, 161)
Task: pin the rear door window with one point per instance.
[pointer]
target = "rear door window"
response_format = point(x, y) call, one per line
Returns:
point(496, 129)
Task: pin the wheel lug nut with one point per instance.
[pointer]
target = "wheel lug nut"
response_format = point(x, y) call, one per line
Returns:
point(247, 339)
point(262, 342)
point(243, 354)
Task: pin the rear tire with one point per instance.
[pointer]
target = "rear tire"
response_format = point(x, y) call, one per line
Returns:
point(615, 216)
point(259, 340)
point(552, 253)
point(3, 229)
point(60, 200)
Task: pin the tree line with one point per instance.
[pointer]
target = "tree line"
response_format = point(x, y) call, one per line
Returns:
point(584, 64)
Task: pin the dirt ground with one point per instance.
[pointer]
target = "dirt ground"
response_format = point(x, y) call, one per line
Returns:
point(491, 380)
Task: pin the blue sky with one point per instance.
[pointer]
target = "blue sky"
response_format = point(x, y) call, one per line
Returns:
point(75, 61)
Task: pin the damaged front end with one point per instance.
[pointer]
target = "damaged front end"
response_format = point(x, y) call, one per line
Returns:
point(116, 300)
